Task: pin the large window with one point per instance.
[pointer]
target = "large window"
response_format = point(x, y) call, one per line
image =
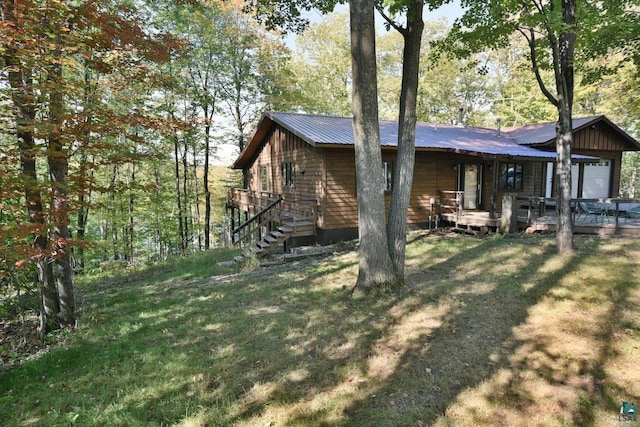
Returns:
point(288, 174)
point(511, 176)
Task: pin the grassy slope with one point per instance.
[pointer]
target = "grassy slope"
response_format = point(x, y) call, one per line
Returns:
point(497, 331)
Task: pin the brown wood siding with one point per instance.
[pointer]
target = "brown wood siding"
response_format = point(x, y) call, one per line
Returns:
point(433, 172)
point(283, 146)
point(600, 137)
point(340, 207)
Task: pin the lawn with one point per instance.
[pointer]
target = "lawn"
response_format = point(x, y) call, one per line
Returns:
point(492, 331)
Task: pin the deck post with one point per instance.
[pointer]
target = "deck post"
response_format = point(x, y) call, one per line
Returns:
point(509, 218)
point(494, 190)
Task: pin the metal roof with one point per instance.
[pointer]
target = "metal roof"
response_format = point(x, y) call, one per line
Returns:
point(338, 131)
point(324, 130)
point(542, 133)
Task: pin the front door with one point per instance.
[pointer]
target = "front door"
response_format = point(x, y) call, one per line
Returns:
point(472, 186)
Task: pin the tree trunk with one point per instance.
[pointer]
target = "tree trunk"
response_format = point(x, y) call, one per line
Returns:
point(181, 230)
point(24, 103)
point(112, 223)
point(49, 295)
point(632, 181)
point(82, 215)
point(82, 219)
point(196, 199)
point(375, 267)
point(564, 75)
point(564, 139)
point(403, 176)
point(84, 193)
point(205, 179)
point(185, 194)
point(130, 211)
point(58, 170)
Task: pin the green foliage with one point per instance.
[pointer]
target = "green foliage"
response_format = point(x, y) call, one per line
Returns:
point(519, 99)
point(323, 67)
point(287, 15)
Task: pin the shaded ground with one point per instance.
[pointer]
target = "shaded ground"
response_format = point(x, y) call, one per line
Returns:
point(494, 331)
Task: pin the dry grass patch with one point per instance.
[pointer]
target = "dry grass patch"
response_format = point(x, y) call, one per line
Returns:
point(494, 331)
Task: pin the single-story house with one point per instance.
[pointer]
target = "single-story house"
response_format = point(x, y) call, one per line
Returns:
point(308, 160)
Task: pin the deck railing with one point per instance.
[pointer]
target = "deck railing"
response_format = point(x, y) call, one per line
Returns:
point(256, 226)
point(267, 210)
point(250, 201)
point(613, 208)
point(452, 202)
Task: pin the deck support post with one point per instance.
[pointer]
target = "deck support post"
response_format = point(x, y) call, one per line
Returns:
point(494, 190)
point(509, 217)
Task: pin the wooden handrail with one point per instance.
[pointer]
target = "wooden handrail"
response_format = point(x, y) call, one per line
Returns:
point(256, 217)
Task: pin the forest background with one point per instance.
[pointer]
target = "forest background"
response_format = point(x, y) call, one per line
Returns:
point(115, 117)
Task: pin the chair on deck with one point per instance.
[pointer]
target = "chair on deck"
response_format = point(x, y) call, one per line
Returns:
point(595, 212)
point(634, 212)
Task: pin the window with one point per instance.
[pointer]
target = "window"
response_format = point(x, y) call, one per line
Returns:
point(264, 178)
point(387, 168)
point(511, 176)
point(288, 174)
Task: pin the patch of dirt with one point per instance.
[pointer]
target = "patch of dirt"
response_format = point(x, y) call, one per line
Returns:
point(20, 340)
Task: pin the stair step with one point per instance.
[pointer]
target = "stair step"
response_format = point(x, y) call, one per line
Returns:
point(302, 223)
point(262, 244)
point(278, 235)
point(271, 239)
point(285, 229)
point(255, 250)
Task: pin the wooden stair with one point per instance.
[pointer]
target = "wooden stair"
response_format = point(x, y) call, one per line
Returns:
point(274, 239)
point(292, 225)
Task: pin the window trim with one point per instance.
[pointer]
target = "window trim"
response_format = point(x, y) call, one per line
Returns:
point(288, 170)
point(518, 169)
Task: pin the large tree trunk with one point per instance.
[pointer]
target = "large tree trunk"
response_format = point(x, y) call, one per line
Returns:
point(58, 171)
point(375, 267)
point(564, 138)
point(49, 296)
point(403, 176)
point(24, 104)
point(563, 49)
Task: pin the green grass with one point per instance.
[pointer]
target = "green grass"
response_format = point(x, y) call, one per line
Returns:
point(494, 331)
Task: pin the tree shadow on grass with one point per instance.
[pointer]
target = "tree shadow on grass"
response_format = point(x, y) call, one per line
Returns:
point(288, 346)
point(407, 371)
point(471, 341)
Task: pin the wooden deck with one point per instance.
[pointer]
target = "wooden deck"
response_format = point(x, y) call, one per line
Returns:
point(588, 224)
point(602, 225)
